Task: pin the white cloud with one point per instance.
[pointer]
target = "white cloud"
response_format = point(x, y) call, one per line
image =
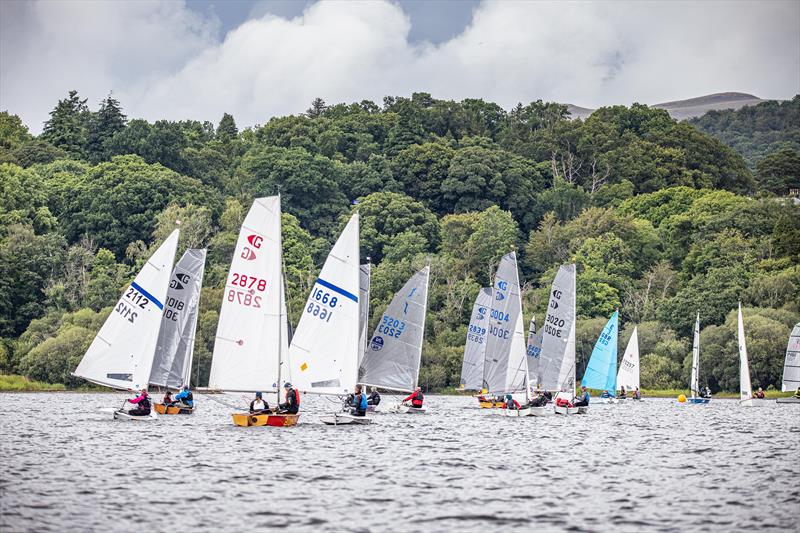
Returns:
point(163, 61)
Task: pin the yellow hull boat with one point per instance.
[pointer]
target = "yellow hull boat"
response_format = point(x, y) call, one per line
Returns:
point(274, 420)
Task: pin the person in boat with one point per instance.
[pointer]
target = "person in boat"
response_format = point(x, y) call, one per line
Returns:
point(705, 392)
point(167, 399)
point(542, 398)
point(637, 394)
point(374, 398)
point(292, 405)
point(605, 394)
point(359, 403)
point(416, 398)
point(622, 394)
point(511, 403)
point(583, 399)
point(142, 403)
point(258, 405)
point(185, 397)
point(760, 394)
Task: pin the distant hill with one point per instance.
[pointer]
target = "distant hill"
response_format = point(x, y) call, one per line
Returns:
point(690, 108)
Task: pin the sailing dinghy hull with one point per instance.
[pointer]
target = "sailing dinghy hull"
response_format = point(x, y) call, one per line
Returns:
point(172, 409)
point(407, 409)
point(123, 415)
point(525, 411)
point(788, 400)
point(755, 402)
point(545, 410)
point(491, 405)
point(341, 419)
point(559, 410)
point(273, 420)
point(698, 401)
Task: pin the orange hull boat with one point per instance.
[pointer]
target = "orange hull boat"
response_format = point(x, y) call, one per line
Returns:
point(274, 420)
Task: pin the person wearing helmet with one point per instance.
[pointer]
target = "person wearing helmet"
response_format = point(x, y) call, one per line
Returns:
point(583, 399)
point(185, 397)
point(292, 405)
point(258, 405)
point(416, 398)
point(511, 403)
point(142, 403)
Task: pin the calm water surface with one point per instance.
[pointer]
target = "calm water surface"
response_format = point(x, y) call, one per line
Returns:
point(650, 466)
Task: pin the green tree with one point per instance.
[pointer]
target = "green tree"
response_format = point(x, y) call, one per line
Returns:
point(227, 130)
point(779, 171)
point(66, 128)
point(102, 127)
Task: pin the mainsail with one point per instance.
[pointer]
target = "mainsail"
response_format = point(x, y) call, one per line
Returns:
point(475, 347)
point(628, 375)
point(393, 357)
point(745, 389)
point(533, 351)
point(694, 386)
point(556, 369)
point(251, 329)
point(601, 372)
point(173, 358)
point(121, 354)
point(323, 356)
point(791, 365)
point(505, 364)
point(363, 307)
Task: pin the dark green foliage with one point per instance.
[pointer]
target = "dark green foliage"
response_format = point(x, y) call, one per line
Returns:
point(67, 126)
point(103, 125)
point(779, 171)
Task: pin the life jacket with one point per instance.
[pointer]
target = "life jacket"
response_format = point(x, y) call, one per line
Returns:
point(416, 401)
point(362, 403)
point(145, 403)
point(563, 402)
point(189, 398)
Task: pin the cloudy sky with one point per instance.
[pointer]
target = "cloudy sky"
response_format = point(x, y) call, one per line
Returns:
point(196, 59)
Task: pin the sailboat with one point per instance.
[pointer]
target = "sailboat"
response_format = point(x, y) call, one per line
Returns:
point(364, 276)
point(505, 368)
point(556, 367)
point(475, 348)
point(601, 372)
point(628, 375)
point(172, 363)
point(121, 354)
point(325, 348)
point(791, 366)
point(395, 350)
point(745, 388)
point(252, 334)
point(694, 385)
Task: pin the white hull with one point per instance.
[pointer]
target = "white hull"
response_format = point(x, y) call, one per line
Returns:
point(525, 411)
point(407, 409)
point(583, 410)
point(755, 402)
point(788, 400)
point(566, 410)
point(123, 415)
point(606, 401)
point(545, 410)
point(339, 419)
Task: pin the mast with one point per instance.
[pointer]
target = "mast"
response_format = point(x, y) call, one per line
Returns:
point(280, 300)
point(695, 384)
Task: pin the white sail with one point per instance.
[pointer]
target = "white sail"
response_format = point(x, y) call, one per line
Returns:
point(791, 365)
point(745, 389)
point(323, 355)
point(393, 357)
point(628, 375)
point(175, 347)
point(475, 347)
point(251, 320)
point(363, 307)
point(557, 356)
point(121, 354)
point(505, 364)
point(534, 351)
point(694, 385)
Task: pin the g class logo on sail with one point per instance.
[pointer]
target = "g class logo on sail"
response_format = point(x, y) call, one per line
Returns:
point(481, 313)
point(255, 241)
point(179, 281)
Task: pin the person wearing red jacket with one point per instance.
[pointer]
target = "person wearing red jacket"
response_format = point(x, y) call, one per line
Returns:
point(416, 398)
point(511, 403)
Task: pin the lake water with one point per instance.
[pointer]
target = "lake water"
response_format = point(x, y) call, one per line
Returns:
point(649, 466)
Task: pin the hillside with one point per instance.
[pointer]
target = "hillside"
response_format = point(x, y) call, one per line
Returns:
point(660, 218)
point(690, 108)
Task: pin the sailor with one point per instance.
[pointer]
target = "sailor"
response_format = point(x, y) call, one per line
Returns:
point(167, 399)
point(258, 405)
point(583, 399)
point(374, 398)
point(359, 403)
point(511, 403)
point(604, 394)
point(185, 397)
point(292, 405)
point(637, 394)
point(705, 392)
point(760, 393)
point(416, 398)
point(541, 399)
point(622, 392)
point(143, 404)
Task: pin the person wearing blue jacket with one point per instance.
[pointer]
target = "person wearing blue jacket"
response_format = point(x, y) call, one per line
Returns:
point(185, 397)
point(359, 403)
point(583, 399)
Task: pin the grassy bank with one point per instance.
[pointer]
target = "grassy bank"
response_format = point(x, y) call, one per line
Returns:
point(14, 383)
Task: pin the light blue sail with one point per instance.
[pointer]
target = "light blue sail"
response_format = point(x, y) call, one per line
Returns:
point(601, 372)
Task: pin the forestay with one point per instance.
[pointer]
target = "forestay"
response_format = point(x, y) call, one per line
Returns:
point(791, 365)
point(557, 356)
point(393, 357)
point(694, 386)
point(175, 347)
point(323, 355)
point(505, 364)
point(250, 333)
point(745, 389)
point(533, 350)
point(121, 354)
point(475, 347)
point(628, 375)
point(601, 372)
point(363, 308)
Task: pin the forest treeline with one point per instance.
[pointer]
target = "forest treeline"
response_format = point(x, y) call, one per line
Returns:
point(664, 221)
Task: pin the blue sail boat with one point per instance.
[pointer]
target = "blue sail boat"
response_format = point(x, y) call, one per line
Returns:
point(601, 372)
